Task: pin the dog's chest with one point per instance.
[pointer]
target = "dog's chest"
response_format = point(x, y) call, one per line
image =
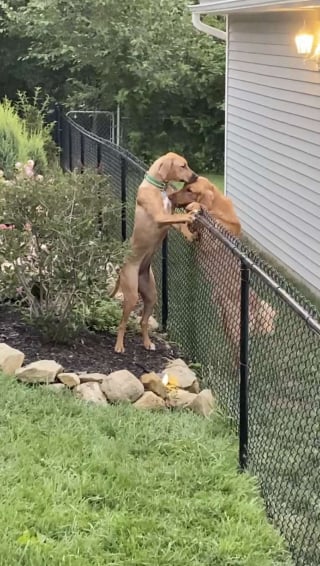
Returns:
point(166, 202)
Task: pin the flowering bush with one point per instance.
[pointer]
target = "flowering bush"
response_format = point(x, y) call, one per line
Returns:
point(59, 248)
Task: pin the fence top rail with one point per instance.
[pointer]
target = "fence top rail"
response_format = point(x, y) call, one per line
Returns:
point(304, 310)
point(89, 112)
point(120, 150)
point(297, 302)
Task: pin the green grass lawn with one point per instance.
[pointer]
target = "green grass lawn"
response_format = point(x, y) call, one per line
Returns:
point(97, 486)
point(216, 179)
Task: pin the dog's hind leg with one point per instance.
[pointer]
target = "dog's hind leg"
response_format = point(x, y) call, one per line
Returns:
point(129, 287)
point(148, 291)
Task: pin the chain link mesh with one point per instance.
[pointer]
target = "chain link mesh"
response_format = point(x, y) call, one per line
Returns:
point(99, 123)
point(204, 283)
point(284, 421)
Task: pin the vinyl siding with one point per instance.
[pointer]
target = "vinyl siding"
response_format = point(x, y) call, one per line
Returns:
point(273, 140)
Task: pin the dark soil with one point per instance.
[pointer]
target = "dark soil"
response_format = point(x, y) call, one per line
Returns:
point(91, 352)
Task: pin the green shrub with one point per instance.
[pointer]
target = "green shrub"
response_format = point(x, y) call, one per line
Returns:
point(105, 314)
point(36, 149)
point(13, 145)
point(62, 262)
point(34, 112)
point(18, 143)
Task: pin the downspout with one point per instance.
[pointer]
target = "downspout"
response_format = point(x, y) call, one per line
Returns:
point(219, 34)
point(215, 32)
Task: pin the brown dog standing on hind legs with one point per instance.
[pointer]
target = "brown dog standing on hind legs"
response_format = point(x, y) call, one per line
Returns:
point(153, 218)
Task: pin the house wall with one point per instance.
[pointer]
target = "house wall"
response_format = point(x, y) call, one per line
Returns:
point(273, 140)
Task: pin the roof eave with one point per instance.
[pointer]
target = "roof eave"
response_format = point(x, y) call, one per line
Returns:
point(225, 7)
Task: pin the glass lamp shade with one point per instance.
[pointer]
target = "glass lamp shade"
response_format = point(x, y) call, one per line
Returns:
point(304, 41)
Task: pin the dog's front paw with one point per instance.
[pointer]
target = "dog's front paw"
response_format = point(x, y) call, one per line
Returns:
point(190, 236)
point(193, 207)
point(149, 345)
point(191, 216)
point(194, 236)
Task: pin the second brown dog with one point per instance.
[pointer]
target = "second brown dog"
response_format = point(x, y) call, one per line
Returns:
point(218, 264)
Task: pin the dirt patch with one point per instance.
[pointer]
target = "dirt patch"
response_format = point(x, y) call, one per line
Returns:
point(92, 352)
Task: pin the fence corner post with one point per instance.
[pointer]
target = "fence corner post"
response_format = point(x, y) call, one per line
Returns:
point(244, 366)
point(123, 198)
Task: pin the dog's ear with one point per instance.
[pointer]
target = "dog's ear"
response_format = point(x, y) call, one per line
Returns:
point(165, 167)
point(207, 196)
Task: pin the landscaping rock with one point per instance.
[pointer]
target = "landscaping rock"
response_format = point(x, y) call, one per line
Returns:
point(194, 388)
point(43, 371)
point(69, 379)
point(57, 387)
point(90, 392)
point(122, 386)
point(180, 399)
point(203, 404)
point(185, 377)
point(92, 377)
point(152, 382)
point(153, 324)
point(10, 359)
point(151, 401)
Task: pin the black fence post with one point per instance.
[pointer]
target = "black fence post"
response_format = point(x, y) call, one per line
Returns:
point(124, 170)
point(82, 151)
point(244, 366)
point(62, 141)
point(70, 146)
point(164, 306)
point(98, 156)
point(57, 125)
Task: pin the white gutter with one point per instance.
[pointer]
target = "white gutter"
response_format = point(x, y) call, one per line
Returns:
point(233, 6)
point(215, 32)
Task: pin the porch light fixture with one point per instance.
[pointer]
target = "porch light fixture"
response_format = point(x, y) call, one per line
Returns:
point(304, 41)
point(316, 52)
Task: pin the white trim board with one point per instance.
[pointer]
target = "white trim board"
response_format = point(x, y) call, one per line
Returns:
point(238, 6)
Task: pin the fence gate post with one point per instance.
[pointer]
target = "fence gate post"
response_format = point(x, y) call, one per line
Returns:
point(164, 285)
point(123, 198)
point(244, 367)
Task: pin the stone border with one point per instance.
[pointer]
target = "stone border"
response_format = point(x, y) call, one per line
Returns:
point(176, 388)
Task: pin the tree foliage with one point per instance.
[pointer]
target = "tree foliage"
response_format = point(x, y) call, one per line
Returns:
point(144, 54)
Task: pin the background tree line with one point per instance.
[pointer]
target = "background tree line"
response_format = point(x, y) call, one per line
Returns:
point(145, 55)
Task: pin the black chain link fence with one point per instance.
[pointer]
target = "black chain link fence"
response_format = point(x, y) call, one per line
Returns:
point(255, 339)
point(101, 123)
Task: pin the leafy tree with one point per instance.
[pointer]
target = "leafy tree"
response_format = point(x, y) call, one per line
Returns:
point(144, 54)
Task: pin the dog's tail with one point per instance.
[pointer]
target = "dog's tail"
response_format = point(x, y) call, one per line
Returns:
point(116, 288)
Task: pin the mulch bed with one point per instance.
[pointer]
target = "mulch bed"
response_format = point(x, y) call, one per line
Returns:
point(91, 352)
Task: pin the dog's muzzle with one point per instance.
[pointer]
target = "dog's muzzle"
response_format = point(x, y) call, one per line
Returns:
point(194, 177)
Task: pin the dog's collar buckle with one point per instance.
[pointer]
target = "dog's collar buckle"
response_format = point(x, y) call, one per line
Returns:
point(158, 184)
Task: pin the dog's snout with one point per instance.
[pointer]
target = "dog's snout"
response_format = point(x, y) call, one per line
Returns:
point(194, 177)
